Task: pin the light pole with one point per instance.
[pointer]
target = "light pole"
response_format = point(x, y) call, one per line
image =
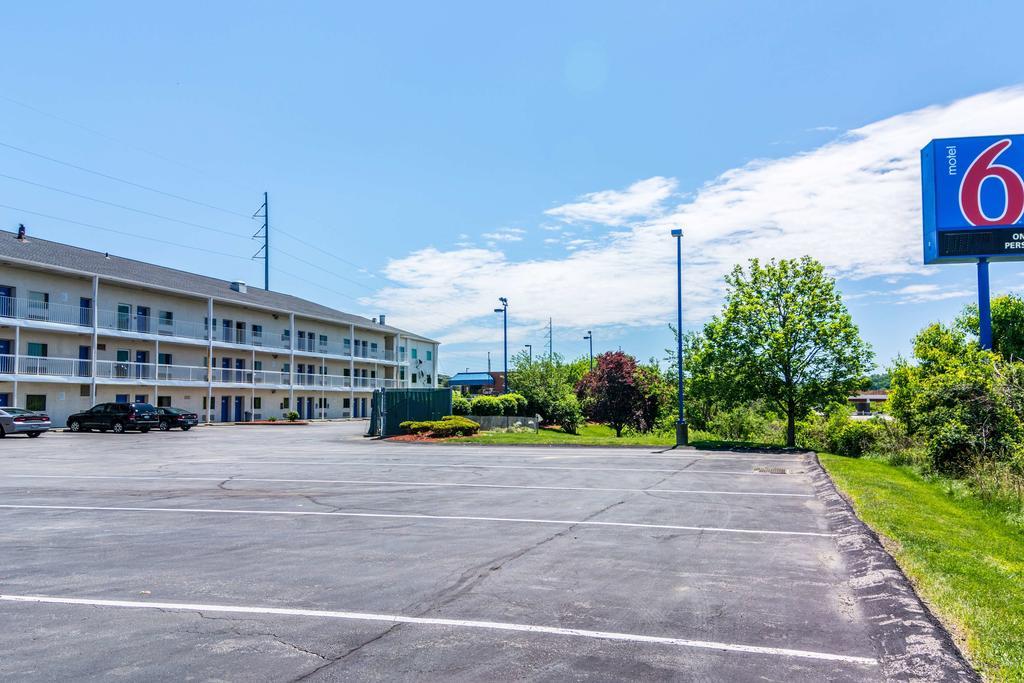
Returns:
point(682, 433)
point(590, 337)
point(504, 312)
point(529, 347)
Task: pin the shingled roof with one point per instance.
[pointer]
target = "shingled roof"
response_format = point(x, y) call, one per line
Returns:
point(89, 262)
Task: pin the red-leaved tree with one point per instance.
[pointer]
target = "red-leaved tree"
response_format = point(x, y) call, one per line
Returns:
point(609, 393)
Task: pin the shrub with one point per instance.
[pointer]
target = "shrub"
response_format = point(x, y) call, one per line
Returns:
point(291, 416)
point(450, 425)
point(486, 405)
point(460, 405)
point(835, 432)
point(738, 424)
point(566, 413)
point(513, 403)
point(272, 419)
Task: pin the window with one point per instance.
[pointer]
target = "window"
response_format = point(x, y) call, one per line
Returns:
point(35, 402)
point(346, 403)
point(163, 401)
point(36, 349)
point(286, 368)
point(165, 359)
point(204, 402)
point(401, 373)
point(257, 365)
point(121, 398)
point(257, 402)
point(84, 391)
point(430, 355)
point(414, 378)
point(167, 318)
point(428, 379)
point(284, 404)
point(414, 354)
point(141, 398)
point(38, 303)
point(257, 334)
point(286, 337)
point(323, 341)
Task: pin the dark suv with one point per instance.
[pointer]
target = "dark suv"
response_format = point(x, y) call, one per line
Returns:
point(117, 417)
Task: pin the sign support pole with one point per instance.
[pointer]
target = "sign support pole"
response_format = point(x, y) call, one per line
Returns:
point(984, 306)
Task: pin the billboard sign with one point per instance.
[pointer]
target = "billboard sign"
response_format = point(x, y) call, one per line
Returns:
point(973, 199)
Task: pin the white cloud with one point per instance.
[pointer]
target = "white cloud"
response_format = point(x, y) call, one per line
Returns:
point(924, 293)
point(853, 203)
point(505, 235)
point(614, 207)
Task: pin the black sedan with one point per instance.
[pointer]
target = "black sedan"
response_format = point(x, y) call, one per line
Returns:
point(176, 417)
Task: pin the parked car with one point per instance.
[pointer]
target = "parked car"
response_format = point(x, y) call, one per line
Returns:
point(21, 421)
point(176, 417)
point(117, 417)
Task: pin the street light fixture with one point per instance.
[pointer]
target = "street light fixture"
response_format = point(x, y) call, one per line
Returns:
point(529, 347)
point(590, 337)
point(504, 312)
point(682, 433)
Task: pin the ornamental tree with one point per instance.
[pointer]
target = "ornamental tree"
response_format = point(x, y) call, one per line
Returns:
point(785, 337)
point(609, 393)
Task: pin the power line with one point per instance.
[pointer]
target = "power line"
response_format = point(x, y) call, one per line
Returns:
point(122, 206)
point(100, 133)
point(313, 246)
point(122, 180)
point(121, 232)
point(315, 284)
point(329, 272)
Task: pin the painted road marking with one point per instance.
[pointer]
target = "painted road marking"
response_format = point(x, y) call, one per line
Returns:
point(467, 466)
point(407, 483)
point(461, 623)
point(463, 518)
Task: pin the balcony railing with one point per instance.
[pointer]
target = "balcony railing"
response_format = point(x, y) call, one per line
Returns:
point(132, 372)
point(162, 326)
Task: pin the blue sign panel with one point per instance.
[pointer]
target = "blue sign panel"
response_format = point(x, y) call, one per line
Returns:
point(973, 192)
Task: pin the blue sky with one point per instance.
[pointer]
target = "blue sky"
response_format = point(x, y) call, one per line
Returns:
point(434, 157)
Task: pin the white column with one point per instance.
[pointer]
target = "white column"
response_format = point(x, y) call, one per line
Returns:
point(17, 359)
point(352, 371)
point(437, 367)
point(95, 334)
point(323, 388)
point(252, 383)
point(210, 330)
point(291, 362)
point(156, 372)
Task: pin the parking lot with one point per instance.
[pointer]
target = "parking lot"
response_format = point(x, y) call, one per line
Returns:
point(310, 553)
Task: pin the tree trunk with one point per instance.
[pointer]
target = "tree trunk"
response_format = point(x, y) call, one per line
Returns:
point(791, 424)
point(618, 431)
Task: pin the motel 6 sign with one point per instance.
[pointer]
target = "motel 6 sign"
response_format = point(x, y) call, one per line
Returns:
point(973, 199)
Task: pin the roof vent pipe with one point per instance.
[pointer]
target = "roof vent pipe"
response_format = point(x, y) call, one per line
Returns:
point(381, 318)
point(21, 231)
point(239, 286)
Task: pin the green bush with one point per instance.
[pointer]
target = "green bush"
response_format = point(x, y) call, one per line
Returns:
point(460, 404)
point(835, 432)
point(292, 416)
point(449, 425)
point(486, 405)
point(741, 423)
point(566, 413)
point(513, 404)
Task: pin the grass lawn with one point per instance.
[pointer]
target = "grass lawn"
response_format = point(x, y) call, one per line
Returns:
point(590, 435)
point(965, 558)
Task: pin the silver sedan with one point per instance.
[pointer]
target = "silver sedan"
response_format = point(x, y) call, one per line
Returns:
point(21, 421)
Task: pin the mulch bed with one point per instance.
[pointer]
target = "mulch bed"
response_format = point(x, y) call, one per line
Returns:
point(279, 423)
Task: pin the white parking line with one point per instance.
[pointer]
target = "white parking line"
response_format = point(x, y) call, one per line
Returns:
point(460, 623)
point(466, 466)
point(406, 483)
point(461, 518)
point(493, 452)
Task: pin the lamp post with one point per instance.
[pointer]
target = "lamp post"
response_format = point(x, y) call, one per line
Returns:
point(504, 312)
point(682, 433)
point(590, 338)
point(529, 347)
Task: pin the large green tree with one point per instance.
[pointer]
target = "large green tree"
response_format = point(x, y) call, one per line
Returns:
point(785, 336)
point(1007, 325)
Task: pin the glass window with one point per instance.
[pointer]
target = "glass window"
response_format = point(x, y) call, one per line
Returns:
point(84, 390)
point(257, 402)
point(430, 355)
point(257, 365)
point(165, 359)
point(414, 378)
point(163, 401)
point(36, 349)
point(121, 398)
point(166, 317)
point(38, 302)
point(35, 402)
point(323, 340)
point(414, 354)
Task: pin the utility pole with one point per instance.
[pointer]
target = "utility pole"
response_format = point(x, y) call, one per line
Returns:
point(551, 340)
point(529, 347)
point(264, 233)
point(682, 430)
point(590, 338)
point(504, 316)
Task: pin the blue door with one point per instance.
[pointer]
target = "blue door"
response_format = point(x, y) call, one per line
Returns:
point(142, 318)
point(85, 312)
point(6, 361)
point(309, 408)
point(225, 375)
point(6, 301)
point(5, 400)
point(225, 408)
point(84, 356)
point(239, 400)
point(299, 405)
point(141, 365)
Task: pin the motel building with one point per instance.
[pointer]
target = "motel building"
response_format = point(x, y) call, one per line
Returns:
point(80, 327)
